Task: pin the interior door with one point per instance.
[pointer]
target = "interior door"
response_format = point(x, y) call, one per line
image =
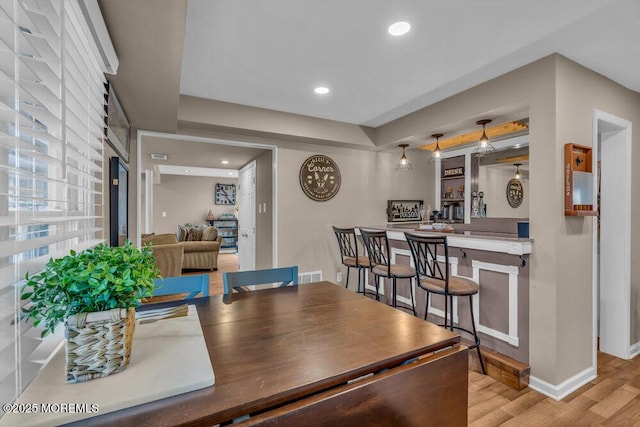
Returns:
point(615, 244)
point(247, 217)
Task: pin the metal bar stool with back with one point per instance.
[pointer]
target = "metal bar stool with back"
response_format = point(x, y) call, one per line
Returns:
point(348, 245)
point(377, 246)
point(432, 279)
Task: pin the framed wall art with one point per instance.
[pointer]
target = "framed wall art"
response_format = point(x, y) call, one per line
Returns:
point(404, 210)
point(225, 194)
point(117, 126)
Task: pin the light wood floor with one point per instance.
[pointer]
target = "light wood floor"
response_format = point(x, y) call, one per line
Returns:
point(612, 399)
point(226, 262)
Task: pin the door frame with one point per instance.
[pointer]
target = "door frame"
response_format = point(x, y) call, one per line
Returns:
point(181, 137)
point(250, 165)
point(624, 126)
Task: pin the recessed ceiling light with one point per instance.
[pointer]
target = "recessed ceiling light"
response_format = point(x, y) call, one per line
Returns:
point(230, 173)
point(321, 90)
point(186, 170)
point(399, 28)
point(224, 162)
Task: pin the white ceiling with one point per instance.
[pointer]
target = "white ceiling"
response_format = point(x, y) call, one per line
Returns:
point(271, 54)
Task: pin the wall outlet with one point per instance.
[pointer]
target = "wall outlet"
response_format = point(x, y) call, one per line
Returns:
point(339, 277)
point(164, 214)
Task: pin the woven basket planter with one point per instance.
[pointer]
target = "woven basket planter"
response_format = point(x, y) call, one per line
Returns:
point(98, 344)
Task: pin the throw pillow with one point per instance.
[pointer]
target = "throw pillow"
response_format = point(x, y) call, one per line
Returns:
point(195, 235)
point(210, 234)
point(183, 231)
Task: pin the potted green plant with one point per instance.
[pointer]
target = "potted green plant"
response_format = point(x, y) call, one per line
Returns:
point(95, 293)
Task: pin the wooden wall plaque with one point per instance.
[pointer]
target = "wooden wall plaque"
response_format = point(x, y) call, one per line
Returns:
point(578, 198)
point(320, 178)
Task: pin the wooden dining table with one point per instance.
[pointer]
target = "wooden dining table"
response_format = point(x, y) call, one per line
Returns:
point(315, 354)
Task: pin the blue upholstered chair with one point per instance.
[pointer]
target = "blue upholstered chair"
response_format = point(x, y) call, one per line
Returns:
point(240, 279)
point(193, 285)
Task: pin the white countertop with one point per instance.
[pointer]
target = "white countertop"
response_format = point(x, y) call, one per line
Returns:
point(473, 240)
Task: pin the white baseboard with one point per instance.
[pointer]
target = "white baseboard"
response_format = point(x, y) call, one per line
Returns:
point(634, 350)
point(560, 391)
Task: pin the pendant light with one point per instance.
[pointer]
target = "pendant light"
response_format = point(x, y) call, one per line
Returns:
point(484, 146)
point(437, 152)
point(404, 164)
point(518, 175)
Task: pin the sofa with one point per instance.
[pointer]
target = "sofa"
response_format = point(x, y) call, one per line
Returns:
point(200, 248)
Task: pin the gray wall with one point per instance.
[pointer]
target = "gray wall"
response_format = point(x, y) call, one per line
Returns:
point(579, 92)
point(305, 237)
point(493, 182)
point(186, 199)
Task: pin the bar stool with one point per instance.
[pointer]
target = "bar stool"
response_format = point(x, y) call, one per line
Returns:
point(377, 246)
point(348, 245)
point(432, 279)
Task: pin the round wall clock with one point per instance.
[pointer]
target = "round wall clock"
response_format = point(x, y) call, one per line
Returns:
point(514, 193)
point(319, 178)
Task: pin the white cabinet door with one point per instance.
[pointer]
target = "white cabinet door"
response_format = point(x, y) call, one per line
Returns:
point(247, 217)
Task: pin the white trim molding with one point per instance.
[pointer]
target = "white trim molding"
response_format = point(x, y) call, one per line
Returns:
point(562, 390)
point(512, 336)
point(634, 350)
point(614, 334)
point(93, 15)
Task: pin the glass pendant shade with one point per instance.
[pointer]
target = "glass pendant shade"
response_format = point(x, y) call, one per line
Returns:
point(484, 146)
point(484, 140)
point(437, 152)
point(404, 164)
point(517, 175)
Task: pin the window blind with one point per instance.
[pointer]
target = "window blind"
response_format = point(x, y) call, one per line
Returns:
point(51, 171)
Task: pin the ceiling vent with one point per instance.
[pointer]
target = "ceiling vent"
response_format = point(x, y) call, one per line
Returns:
point(156, 156)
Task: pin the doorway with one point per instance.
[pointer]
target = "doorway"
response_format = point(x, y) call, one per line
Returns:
point(612, 236)
point(185, 154)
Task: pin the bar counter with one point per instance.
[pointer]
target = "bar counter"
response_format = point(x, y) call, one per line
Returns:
point(498, 262)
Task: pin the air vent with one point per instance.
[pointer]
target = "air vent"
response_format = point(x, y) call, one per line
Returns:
point(312, 276)
point(156, 156)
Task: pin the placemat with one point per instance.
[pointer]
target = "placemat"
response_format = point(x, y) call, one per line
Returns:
point(169, 357)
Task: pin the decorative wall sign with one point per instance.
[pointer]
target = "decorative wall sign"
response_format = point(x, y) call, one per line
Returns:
point(514, 193)
point(320, 178)
point(225, 194)
point(451, 172)
point(404, 210)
